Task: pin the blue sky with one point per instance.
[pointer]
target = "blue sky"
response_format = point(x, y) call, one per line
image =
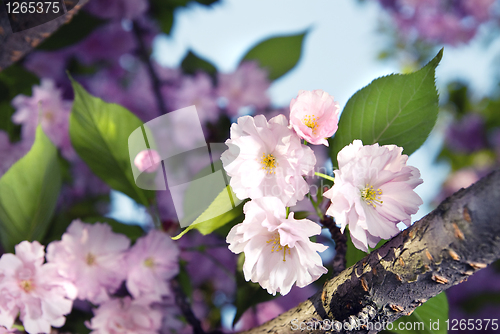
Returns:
point(339, 54)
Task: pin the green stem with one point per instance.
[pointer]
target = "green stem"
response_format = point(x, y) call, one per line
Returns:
point(316, 206)
point(19, 327)
point(328, 177)
point(305, 142)
point(287, 211)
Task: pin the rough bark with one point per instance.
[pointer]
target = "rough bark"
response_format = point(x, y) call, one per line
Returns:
point(443, 249)
point(339, 261)
point(14, 46)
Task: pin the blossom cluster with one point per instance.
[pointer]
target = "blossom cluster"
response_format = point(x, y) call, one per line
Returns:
point(90, 263)
point(266, 160)
point(440, 21)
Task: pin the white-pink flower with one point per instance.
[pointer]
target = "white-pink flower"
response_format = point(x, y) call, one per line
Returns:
point(245, 87)
point(152, 261)
point(92, 257)
point(47, 108)
point(267, 159)
point(373, 191)
point(33, 290)
point(147, 161)
point(314, 115)
point(125, 316)
point(278, 252)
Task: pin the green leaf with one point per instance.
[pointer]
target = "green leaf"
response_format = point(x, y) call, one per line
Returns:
point(29, 192)
point(99, 133)
point(220, 208)
point(353, 254)
point(278, 54)
point(80, 26)
point(14, 80)
point(133, 232)
point(163, 12)
point(193, 63)
point(248, 294)
point(435, 310)
point(396, 109)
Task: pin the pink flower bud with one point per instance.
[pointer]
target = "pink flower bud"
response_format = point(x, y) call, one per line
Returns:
point(147, 161)
point(314, 115)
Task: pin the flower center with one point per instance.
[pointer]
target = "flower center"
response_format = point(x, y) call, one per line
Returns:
point(90, 259)
point(275, 240)
point(372, 196)
point(149, 262)
point(26, 285)
point(49, 115)
point(311, 122)
point(269, 163)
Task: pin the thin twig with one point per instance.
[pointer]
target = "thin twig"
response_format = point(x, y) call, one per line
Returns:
point(339, 261)
point(145, 56)
point(183, 304)
point(180, 297)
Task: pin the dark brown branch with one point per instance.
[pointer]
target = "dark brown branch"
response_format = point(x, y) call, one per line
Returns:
point(339, 261)
point(145, 56)
point(183, 304)
point(14, 46)
point(443, 249)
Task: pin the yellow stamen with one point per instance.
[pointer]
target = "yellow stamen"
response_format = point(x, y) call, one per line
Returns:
point(311, 122)
point(90, 259)
point(26, 285)
point(277, 246)
point(372, 196)
point(269, 163)
point(149, 262)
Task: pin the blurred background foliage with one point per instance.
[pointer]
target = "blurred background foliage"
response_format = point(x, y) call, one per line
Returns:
point(108, 46)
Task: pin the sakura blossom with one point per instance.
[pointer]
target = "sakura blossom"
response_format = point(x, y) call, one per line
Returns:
point(267, 159)
point(33, 290)
point(147, 161)
point(47, 108)
point(278, 252)
point(245, 87)
point(373, 192)
point(91, 256)
point(314, 115)
point(195, 90)
point(125, 316)
point(10, 153)
point(439, 20)
point(152, 261)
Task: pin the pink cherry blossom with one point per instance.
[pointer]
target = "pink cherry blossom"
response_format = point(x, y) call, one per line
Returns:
point(267, 159)
point(278, 252)
point(47, 108)
point(10, 153)
point(314, 115)
point(247, 86)
point(92, 257)
point(125, 316)
point(195, 90)
point(33, 290)
point(373, 191)
point(152, 261)
point(147, 161)
point(117, 9)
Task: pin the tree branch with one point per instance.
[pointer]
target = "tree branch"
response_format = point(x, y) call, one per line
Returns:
point(443, 249)
point(145, 56)
point(14, 46)
point(183, 304)
point(339, 261)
